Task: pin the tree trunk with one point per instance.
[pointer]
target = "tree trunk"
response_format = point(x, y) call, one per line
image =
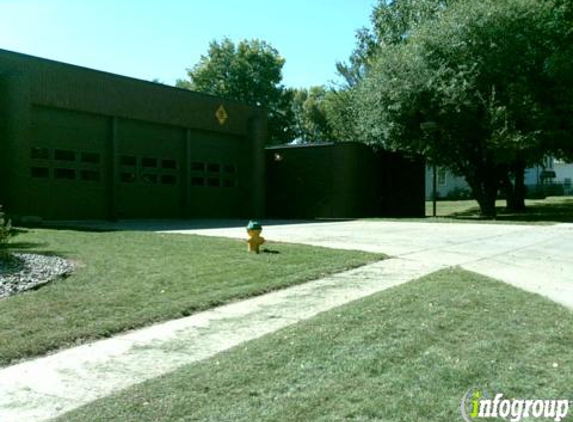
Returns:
point(486, 200)
point(515, 192)
point(485, 185)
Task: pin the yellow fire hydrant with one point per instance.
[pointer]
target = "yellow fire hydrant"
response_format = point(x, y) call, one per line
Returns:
point(255, 240)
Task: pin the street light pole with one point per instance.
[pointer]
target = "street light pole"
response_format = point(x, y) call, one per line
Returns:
point(432, 127)
point(434, 189)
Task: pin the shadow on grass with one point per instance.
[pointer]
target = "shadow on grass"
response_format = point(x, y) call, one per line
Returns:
point(17, 231)
point(10, 264)
point(26, 246)
point(15, 246)
point(99, 226)
point(556, 212)
point(78, 227)
point(271, 251)
point(41, 248)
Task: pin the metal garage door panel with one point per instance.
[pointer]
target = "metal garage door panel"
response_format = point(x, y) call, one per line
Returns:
point(218, 175)
point(66, 170)
point(149, 163)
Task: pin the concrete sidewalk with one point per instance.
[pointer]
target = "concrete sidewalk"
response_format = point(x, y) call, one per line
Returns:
point(44, 388)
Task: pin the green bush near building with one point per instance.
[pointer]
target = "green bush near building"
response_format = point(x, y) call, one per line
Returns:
point(5, 230)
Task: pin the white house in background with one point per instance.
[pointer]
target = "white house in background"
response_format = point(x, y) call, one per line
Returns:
point(448, 184)
point(564, 175)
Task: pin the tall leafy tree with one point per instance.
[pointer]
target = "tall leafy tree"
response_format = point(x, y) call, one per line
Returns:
point(341, 114)
point(311, 120)
point(250, 71)
point(490, 75)
point(392, 22)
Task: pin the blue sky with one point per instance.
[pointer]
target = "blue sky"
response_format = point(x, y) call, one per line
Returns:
point(150, 39)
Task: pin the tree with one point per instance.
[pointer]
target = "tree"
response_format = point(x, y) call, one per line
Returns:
point(311, 120)
point(392, 23)
point(341, 114)
point(250, 71)
point(5, 233)
point(323, 114)
point(488, 74)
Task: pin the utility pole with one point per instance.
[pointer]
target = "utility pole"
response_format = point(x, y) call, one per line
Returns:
point(432, 127)
point(434, 189)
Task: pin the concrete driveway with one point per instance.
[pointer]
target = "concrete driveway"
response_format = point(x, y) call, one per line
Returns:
point(535, 258)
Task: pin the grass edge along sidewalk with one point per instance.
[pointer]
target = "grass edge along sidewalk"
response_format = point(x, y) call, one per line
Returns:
point(408, 353)
point(126, 280)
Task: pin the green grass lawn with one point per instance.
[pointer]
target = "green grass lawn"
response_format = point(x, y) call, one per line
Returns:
point(544, 211)
point(125, 280)
point(406, 354)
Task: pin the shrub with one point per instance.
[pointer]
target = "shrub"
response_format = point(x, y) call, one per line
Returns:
point(5, 229)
